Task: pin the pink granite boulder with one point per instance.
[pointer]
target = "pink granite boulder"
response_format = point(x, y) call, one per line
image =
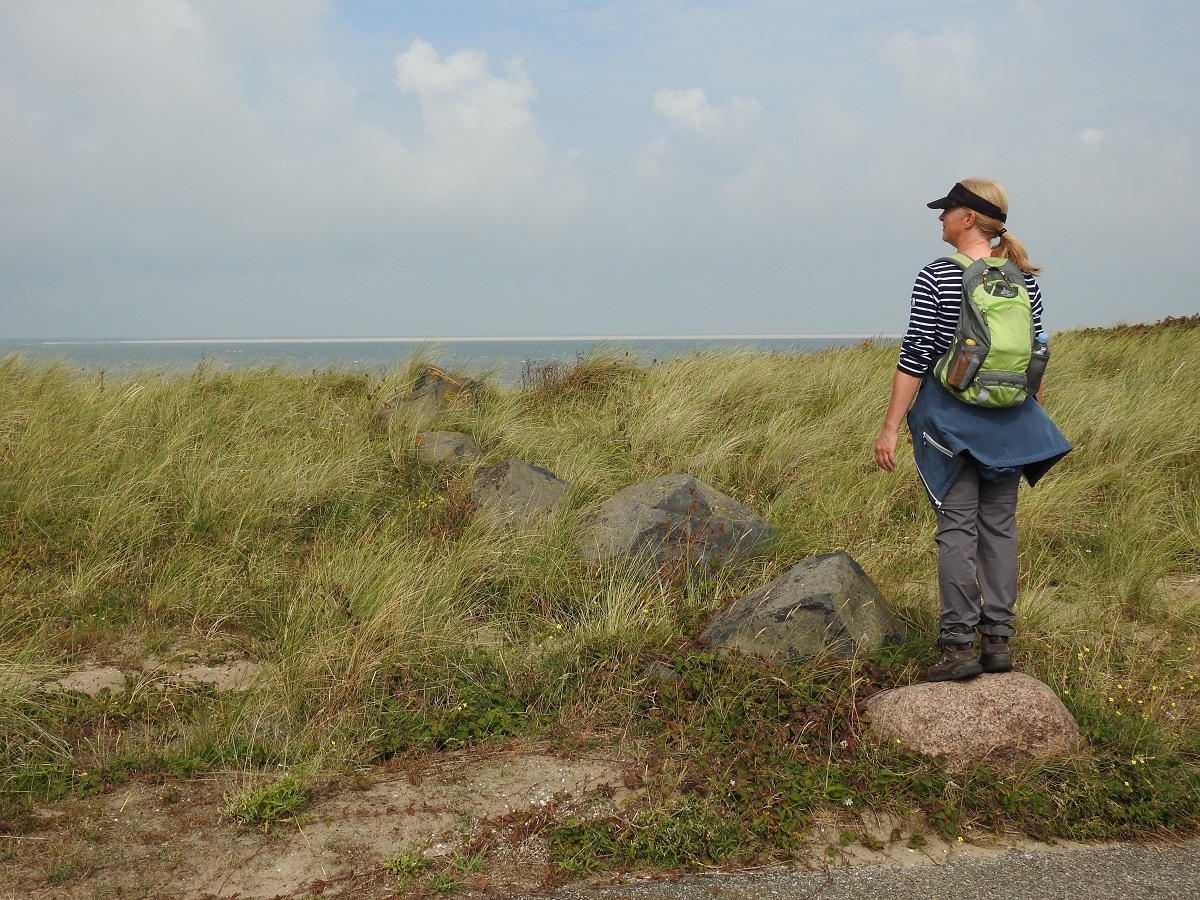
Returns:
point(997, 720)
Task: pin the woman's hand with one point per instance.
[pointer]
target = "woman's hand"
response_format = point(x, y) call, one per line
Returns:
point(904, 389)
point(885, 449)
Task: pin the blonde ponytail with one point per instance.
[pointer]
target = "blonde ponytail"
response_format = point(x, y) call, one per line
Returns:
point(1012, 249)
point(1008, 247)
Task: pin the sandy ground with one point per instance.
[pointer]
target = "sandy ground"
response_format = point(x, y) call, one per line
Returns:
point(172, 841)
point(175, 842)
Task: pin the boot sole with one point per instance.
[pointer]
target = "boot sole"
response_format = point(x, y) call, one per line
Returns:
point(994, 665)
point(968, 668)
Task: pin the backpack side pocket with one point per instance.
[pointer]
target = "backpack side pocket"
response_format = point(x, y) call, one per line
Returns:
point(961, 363)
point(964, 365)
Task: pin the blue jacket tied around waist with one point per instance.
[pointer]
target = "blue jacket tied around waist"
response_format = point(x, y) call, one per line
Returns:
point(1003, 443)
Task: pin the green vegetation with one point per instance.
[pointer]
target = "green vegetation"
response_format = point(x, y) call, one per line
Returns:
point(268, 804)
point(263, 512)
point(441, 876)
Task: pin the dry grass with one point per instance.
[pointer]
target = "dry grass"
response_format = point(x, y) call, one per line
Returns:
point(264, 510)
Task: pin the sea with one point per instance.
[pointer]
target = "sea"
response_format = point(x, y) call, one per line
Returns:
point(508, 359)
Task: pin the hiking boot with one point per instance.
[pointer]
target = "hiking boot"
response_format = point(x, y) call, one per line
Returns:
point(957, 663)
point(994, 654)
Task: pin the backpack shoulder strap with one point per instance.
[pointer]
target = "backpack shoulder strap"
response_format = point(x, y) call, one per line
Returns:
point(961, 260)
point(1008, 266)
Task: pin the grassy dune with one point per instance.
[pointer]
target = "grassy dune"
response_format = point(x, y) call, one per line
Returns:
point(260, 512)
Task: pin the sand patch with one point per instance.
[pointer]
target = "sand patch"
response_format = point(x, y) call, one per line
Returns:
point(235, 676)
point(91, 681)
point(175, 841)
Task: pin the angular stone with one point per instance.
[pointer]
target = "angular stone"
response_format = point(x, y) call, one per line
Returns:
point(516, 493)
point(433, 391)
point(670, 520)
point(997, 720)
point(824, 604)
point(447, 447)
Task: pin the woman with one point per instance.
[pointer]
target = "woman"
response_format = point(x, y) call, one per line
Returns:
point(970, 458)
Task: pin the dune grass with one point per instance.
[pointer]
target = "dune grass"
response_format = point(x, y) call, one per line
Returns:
point(263, 512)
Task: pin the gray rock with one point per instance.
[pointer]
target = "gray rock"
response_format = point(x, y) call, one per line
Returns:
point(451, 447)
point(998, 720)
point(672, 520)
point(434, 390)
point(516, 493)
point(823, 604)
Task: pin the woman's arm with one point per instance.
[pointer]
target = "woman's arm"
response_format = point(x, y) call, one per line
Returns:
point(904, 389)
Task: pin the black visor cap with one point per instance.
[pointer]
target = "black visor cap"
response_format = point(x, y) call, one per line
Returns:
point(961, 196)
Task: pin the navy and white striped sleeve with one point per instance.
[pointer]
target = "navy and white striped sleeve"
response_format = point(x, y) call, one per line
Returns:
point(932, 317)
point(1035, 301)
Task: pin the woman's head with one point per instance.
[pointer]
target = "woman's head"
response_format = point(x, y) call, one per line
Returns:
point(988, 200)
point(993, 192)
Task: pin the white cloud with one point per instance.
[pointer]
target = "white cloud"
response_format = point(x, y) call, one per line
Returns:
point(139, 130)
point(687, 110)
point(254, 154)
point(477, 126)
point(658, 147)
point(937, 66)
point(113, 60)
point(460, 99)
point(722, 157)
point(259, 22)
point(690, 112)
point(143, 124)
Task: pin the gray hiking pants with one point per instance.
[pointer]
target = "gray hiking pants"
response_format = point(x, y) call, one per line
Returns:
point(977, 557)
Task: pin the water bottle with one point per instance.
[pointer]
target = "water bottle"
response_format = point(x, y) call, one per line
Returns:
point(958, 368)
point(1037, 363)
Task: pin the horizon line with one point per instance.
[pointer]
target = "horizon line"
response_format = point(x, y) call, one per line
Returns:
point(479, 339)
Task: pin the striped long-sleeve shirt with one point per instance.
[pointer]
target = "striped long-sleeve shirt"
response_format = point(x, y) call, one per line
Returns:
point(933, 316)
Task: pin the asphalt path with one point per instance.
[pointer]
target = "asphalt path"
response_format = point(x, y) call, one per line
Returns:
point(1111, 872)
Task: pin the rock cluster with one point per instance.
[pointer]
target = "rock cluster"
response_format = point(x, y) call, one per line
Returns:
point(824, 605)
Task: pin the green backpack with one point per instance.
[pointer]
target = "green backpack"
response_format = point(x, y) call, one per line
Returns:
point(988, 363)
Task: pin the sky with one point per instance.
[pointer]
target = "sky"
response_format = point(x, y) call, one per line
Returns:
point(361, 168)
